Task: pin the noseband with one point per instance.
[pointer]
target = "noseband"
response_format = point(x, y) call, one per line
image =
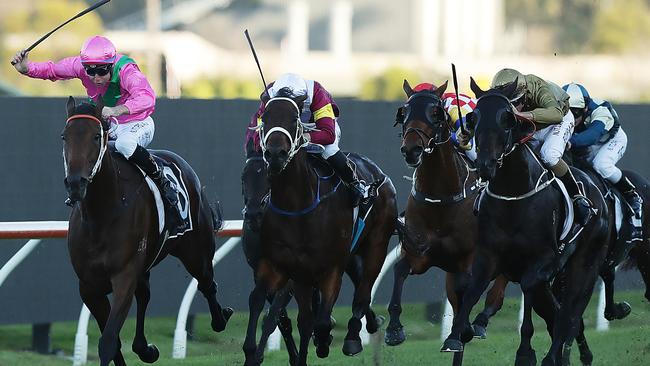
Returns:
point(294, 140)
point(437, 126)
point(103, 144)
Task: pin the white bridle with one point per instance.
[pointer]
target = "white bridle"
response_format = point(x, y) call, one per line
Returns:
point(264, 135)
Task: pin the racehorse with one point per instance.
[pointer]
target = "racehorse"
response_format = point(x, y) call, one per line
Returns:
point(307, 235)
point(440, 227)
point(521, 216)
point(114, 237)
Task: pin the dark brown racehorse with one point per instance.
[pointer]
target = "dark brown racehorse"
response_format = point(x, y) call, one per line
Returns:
point(113, 236)
point(440, 226)
point(520, 222)
point(307, 236)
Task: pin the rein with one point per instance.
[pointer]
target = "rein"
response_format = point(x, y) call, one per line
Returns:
point(103, 143)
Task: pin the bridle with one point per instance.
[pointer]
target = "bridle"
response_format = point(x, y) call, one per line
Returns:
point(428, 142)
point(293, 139)
point(103, 144)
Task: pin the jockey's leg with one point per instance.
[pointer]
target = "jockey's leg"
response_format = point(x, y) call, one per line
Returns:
point(636, 204)
point(339, 162)
point(551, 153)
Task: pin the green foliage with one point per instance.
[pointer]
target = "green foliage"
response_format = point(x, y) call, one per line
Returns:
point(623, 25)
point(223, 88)
point(388, 85)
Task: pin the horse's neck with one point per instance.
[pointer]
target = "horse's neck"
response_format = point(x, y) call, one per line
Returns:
point(103, 190)
point(519, 173)
point(442, 172)
point(293, 189)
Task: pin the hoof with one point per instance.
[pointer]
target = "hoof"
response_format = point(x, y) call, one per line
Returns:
point(352, 347)
point(621, 310)
point(452, 345)
point(218, 325)
point(395, 335)
point(479, 331)
point(379, 320)
point(149, 355)
point(323, 348)
point(526, 358)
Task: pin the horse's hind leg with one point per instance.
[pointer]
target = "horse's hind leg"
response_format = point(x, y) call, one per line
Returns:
point(199, 265)
point(147, 352)
point(99, 307)
point(613, 310)
point(395, 331)
point(493, 303)
point(640, 253)
point(279, 303)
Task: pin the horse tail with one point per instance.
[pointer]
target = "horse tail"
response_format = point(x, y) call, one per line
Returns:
point(629, 263)
point(216, 213)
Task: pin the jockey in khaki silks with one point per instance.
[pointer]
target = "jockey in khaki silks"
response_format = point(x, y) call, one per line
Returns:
point(319, 113)
point(129, 101)
point(600, 139)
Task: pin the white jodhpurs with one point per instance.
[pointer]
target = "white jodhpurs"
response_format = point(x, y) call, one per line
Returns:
point(129, 135)
point(333, 148)
point(553, 140)
point(604, 156)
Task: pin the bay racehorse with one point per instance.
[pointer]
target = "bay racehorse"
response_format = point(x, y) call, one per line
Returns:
point(114, 237)
point(440, 227)
point(307, 236)
point(521, 217)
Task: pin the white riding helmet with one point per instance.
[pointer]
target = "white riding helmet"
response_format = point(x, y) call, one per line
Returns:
point(576, 98)
point(292, 81)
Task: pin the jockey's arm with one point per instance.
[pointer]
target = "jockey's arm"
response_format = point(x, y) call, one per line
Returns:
point(589, 136)
point(141, 94)
point(325, 125)
point(65, 69)
point(547, 110)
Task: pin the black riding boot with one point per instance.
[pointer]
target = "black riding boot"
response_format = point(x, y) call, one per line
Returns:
point(168, 190)
point(581, 204)
point(636, 204)
point(339, 162)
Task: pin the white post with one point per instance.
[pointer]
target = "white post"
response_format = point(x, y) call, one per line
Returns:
point(180, 334)
point(17, 258)
point(602, 324)
point(341, 29)
point(80, 356)
point(447, 320)
point(428, 24)
point(521, 312)
point(297, 41)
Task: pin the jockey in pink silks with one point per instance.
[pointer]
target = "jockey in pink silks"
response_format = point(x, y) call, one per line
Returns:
point(128, 100)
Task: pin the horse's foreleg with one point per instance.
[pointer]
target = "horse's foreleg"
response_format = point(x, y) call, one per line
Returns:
point(329, 288)
point(641, 255)
point(303, 295)
point(124, 285)
point(525, 353)
point(147, 352)
point(483, 270)
point(99, 307)
point(280, 301)
point(395, 331)
point(256, 301)
point(493, 303)
point(613, 310)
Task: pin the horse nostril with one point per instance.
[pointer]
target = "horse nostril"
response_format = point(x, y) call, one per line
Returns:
point(404, 150)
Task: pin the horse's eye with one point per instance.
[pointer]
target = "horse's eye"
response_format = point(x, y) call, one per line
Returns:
point(62, 137)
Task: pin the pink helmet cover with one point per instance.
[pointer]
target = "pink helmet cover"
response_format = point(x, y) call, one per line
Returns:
point(98, 50)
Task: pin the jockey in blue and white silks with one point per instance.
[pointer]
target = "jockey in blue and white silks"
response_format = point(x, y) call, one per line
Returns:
point(598, 136)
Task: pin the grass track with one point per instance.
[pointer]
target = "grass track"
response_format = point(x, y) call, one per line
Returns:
point(626, 343)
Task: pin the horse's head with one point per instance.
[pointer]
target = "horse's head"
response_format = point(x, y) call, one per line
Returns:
point(84, 143)
point(255, 188)
point(497, 130)
point(424, 121)
point(281, 132)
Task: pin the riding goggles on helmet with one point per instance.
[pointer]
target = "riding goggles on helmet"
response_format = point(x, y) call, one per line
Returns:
point(100, 70)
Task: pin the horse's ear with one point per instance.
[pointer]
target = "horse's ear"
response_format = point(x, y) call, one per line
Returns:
point(99, 106)
point(264, 97)
point(475, 88)
point(407, 88)
point(300, 100)
point(400, 115)
point(441, 89)
point(509, 89)
point(70, 106)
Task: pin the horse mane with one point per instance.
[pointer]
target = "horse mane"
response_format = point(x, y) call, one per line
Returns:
point(86, 108)
point(285, 92)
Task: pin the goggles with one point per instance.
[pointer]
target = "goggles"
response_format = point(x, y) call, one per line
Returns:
point(101, 70)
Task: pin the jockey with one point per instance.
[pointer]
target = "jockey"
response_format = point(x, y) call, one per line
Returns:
point(320, 111)
point(127, 97)
point(600, 136)
point(547, 105)
point(467, 105)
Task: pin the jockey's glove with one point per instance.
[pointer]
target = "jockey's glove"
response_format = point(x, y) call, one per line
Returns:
point(118, 110)
point(112, 130)
point(306, 136)
point(463, 139)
